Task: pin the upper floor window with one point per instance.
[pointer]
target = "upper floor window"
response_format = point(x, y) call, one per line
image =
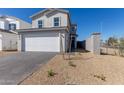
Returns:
point(56, 21)
point(12, 26)
point(73, 28)
point(40, 24)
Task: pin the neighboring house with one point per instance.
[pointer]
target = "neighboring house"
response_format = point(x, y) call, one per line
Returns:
point(11, 23)
point(52, 31)
point(8, 36)
point(8, 40)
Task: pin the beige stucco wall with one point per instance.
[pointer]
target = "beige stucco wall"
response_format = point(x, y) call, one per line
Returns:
point(89, 44)
point(9, 41)
point(19, 42)
point(24, 25)
point(93, 44)
point(64, 41)
point(48, 20)
point(96, 44)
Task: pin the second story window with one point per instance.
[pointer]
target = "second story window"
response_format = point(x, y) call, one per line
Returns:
point(40, 24)
point(73, 28)
point(56, 22)
point(12, 26)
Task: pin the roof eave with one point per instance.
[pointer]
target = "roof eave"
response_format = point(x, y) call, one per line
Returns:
point(38, 30)
point(46, 10)
point(7, 31)
point(38, 13)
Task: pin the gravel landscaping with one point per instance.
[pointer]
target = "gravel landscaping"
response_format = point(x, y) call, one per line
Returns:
point(3, 53)
point(83, 68)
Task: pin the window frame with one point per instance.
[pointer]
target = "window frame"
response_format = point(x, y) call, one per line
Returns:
point(40, 25)
point(12, 26)
point(58, 22)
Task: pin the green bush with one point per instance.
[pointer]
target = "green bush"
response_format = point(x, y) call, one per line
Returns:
point(51, 73)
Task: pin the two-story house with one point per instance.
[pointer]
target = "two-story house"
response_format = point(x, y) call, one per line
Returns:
point(8, 38)
point(52, 31)
point(11, 23)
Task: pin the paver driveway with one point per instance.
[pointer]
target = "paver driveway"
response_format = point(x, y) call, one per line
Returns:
point(15, 67)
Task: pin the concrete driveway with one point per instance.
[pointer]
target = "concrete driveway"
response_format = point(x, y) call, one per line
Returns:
point(15, 67)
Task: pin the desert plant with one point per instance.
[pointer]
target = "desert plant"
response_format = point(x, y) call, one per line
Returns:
point(51, 73)
point(121, 51)
point(121, 47)
point(102, 77)
point(112, 41)
point(71, 64)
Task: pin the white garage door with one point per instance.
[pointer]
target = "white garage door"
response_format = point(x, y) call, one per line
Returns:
point(44, 44)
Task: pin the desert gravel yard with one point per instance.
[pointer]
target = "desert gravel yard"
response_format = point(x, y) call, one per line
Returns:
point(4, 53)
point(83, 68)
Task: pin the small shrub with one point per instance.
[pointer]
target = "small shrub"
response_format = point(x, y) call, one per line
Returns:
point(102, 77)
point(51, 73)
point(72, 64)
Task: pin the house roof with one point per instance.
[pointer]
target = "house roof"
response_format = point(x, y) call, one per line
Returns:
point(49, 10)
point(96, 33)
point(6, 16)
point(7, 31)
point(43, 29)
point(3, 17)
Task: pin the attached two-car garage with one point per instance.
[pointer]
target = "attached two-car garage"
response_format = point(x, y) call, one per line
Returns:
point(46, 41)
point(45, 44)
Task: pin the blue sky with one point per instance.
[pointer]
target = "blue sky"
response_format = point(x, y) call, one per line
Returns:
point(89, 20)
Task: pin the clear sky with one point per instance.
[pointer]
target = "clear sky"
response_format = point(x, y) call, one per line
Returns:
point(110, 22)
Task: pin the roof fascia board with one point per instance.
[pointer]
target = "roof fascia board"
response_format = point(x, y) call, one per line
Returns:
point(39, 13)
point(33, 30)
point(51, 10)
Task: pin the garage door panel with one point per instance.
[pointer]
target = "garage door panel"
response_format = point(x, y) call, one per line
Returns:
point(45, 44)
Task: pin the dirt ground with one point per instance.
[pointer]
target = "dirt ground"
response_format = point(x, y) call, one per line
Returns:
point(83, 68)
point(3, 53)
